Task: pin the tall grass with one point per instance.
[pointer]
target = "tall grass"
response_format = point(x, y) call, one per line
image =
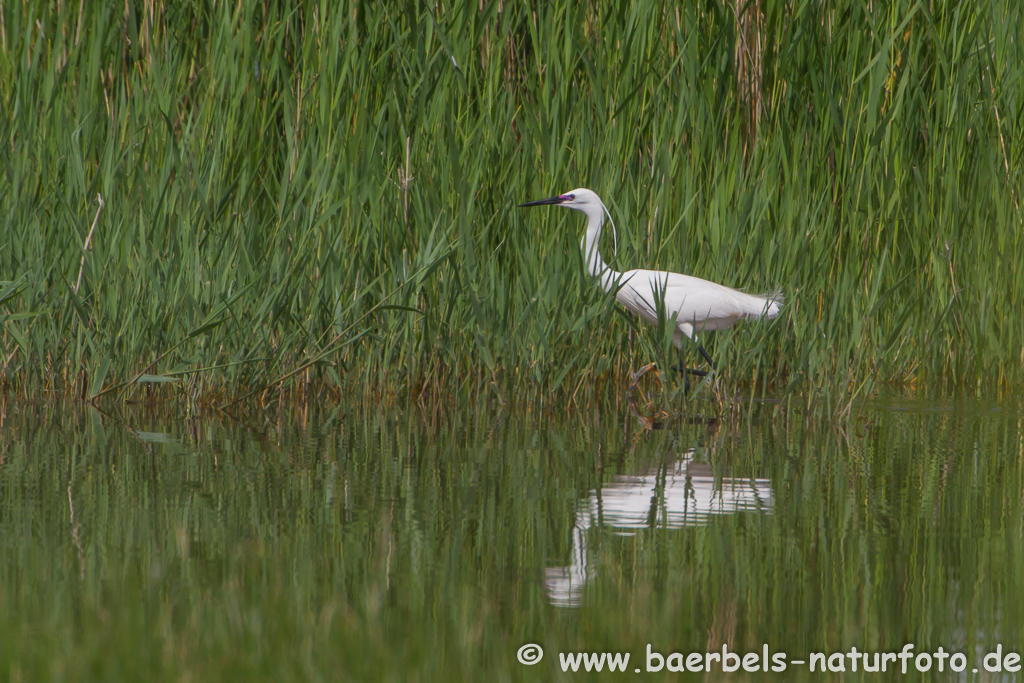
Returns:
point(254, 197)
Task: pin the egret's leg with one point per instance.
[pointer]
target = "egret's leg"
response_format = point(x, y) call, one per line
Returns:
point(691, 371)
point(686, 372)
point(703, 352)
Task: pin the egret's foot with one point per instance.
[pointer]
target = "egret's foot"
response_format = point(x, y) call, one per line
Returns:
point(690, 371)
point(686, 372)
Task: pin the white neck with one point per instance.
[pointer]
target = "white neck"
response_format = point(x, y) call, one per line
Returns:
point(591, 256)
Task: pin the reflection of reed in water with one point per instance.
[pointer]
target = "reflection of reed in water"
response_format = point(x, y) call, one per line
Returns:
point(685, 494)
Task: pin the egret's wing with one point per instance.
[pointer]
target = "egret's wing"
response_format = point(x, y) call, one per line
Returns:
point(687, 298)
point(692, 299)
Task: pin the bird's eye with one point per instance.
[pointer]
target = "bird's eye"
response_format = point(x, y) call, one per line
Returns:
point(572, 196)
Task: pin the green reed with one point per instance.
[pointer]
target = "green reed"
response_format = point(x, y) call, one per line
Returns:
point(310, 197)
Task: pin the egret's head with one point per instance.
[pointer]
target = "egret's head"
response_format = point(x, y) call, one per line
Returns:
point(580, 198)
point(589, 203)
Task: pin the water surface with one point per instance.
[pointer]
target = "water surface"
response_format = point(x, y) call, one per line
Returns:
point(366, 544)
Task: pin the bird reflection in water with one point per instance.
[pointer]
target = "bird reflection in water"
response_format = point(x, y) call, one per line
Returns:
point(686, 495)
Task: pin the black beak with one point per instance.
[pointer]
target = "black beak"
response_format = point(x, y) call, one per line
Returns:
point(544, 202)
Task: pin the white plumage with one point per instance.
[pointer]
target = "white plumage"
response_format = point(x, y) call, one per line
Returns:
point(694, 304)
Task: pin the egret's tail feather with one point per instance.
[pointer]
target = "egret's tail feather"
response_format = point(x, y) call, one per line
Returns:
point(767, 305)
point(773, 302)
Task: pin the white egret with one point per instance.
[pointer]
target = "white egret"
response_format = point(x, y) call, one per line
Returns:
point(693, 304)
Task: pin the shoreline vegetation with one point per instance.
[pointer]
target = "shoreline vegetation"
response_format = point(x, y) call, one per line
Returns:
point(224, 202)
